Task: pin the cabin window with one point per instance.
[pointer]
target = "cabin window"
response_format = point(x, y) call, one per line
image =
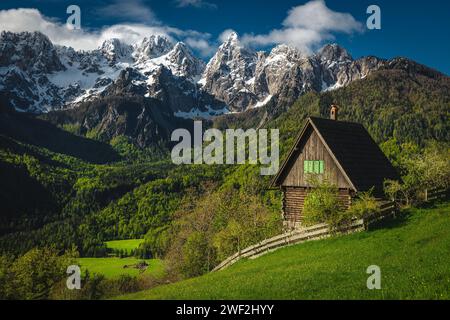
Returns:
point(315, 167)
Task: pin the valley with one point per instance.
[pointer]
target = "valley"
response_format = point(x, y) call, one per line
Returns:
point(114, 268)
point(85, 161)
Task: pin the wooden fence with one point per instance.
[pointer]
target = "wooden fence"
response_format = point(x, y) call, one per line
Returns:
point(435, 194)
point(319, 231)
point(387, 209)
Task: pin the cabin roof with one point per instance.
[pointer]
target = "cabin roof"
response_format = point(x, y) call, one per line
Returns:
point(355, 152)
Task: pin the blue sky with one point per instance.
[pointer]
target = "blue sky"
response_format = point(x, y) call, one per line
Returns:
point(415, 29)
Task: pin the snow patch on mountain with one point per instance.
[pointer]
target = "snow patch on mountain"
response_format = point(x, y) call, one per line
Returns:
point(206, 114)
point(262, 103)
point(37, 76)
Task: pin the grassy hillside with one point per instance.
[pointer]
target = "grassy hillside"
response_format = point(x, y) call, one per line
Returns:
point(113, 268)
point(413, 253)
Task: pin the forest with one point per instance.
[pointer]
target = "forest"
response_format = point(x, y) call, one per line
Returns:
point(65, 193)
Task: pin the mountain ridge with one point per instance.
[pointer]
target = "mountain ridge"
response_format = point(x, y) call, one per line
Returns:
point(146, 90)
point(38, 77)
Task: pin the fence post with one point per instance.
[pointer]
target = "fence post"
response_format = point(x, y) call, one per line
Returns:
point(426, 195)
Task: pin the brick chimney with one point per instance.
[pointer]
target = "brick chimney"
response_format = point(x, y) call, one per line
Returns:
point(334, 112)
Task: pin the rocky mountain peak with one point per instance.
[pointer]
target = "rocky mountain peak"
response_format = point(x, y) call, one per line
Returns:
point(181, 51)
point(114, 50)
point(230, 72)
point(152, 47)
point(232, 40)
point(231, 60)
point(232, 48)
point(284, 52)
point(182, 62)
point(29, 51)
point(334, 52)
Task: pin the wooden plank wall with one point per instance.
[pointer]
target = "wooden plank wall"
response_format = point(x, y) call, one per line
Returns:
point(313, 149)
point(294, 199)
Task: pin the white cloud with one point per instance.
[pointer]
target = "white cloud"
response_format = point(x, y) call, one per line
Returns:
point(132, 33)
point(225, 35)
point(18, 20)
point(201, 45)
point(315, 15)
point(130, 10)
point(307, 26)
point(196, 4)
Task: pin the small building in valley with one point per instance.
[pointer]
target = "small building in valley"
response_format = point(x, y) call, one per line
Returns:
point(342, 152)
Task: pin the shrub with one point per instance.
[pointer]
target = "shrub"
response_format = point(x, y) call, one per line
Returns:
point(219, 225)
point(396, 191)
point(425, 169)
point(364, 206)
point(33, 275)
point(195, 254)
point(321, 204)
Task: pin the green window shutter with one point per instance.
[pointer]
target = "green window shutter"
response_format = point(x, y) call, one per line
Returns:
point(321, 167)
point(316, 167)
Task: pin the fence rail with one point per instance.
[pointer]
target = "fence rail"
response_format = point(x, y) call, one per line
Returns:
point(316, 232)
point(435, 194)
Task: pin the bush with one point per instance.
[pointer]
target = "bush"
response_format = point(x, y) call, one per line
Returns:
point(195, 254)
point(421, 169)
point(219, 225)
point(33, 275)
point(364, 206)
point(322, 204)
point(396, 191)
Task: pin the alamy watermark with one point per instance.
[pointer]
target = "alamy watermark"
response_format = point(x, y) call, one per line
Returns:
point(74, 20)
point(374, 280)
point(235, 146)
point(74, 279)
point(374, 20)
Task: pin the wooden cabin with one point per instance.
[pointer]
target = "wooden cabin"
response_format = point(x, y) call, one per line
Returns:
point(342, 152)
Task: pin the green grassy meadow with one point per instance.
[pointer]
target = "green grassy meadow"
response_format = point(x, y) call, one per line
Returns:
point(113, 268)
point(412, 251)
point(126, 245)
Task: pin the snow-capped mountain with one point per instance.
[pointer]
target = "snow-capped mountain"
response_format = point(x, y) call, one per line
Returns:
point(114, 51)
point(245, 79)
point(37, 76)
point(229, 74)
point(152, 47)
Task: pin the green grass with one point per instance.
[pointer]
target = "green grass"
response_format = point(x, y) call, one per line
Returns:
point(113, 268)
point(127, 245)
point(413, 253)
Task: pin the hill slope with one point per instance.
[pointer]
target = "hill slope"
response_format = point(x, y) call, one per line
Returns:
point(413, 253)
point(406, 101)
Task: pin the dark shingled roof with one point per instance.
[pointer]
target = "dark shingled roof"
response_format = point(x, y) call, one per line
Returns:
point(354, 149)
